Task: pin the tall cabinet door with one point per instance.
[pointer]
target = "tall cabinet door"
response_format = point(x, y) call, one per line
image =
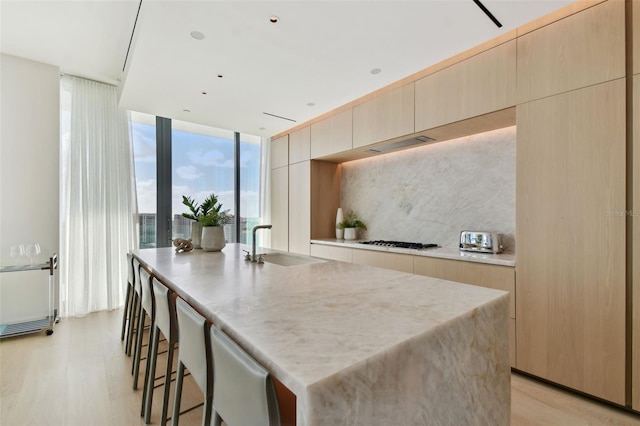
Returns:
point(300, 207)
point(280, 208)
point(636, 236)
point(570, 267)
point(280, 193)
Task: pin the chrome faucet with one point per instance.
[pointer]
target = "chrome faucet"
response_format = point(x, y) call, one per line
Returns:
point(253, 247)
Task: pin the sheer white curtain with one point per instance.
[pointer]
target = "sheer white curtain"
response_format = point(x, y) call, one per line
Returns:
point(98, 197)
point(265, 189)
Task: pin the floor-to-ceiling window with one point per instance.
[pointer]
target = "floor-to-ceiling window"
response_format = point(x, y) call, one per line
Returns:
point(249, 185)
point(202, 164)
point(143, 131)
point(202, 161)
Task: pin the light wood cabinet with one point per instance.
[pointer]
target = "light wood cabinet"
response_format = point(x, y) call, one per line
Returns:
point(578, 51)
point(570, 260)
point(280, 208)
point(395, 261)
point(332, 135)
point(280, 152)
point(481, 84)
point(300, 207)
point(636, 242)
point(636, 37)
point(341, 254)
point(300, 145)
point(386, 116)
point(481, 274)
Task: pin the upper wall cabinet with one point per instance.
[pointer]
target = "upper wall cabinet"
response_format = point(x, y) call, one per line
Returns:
point(636, 36)
point(386, 116)
point(280, 152)
point(578, 51)
point(300, 145)
point(332, 135)
point(481, 84)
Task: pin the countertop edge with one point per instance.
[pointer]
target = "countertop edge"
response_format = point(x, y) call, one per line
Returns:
point(451, 253)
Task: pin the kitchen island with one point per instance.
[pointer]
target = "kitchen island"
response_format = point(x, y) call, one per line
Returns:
point(356, 344)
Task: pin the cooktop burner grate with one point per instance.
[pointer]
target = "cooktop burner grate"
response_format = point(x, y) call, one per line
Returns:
point(399, 244)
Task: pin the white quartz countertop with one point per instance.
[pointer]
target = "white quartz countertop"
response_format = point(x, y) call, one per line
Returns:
point(308, 324)
point(453, 253)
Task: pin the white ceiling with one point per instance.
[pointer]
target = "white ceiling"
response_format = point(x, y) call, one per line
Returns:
point(319, 52)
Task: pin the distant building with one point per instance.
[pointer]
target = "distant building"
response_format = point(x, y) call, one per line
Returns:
point(181, 228)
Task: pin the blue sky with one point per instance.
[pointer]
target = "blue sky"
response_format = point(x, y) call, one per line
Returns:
point(201, 164)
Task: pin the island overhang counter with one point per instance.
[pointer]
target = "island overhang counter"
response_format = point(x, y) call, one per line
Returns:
point(356, 344)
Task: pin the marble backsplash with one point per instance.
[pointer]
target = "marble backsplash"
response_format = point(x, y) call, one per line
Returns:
point(429, 194)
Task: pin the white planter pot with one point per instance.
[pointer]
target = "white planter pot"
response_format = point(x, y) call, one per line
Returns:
point(213, 238)
point(350, 233)
point(196, 234)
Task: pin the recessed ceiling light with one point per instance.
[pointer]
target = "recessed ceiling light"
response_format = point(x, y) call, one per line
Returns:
point(197, 35)
point(311, 104)
point(376, 71)
point(220, 75)
point(274, 19)
point(186, 110)
point(203, 92)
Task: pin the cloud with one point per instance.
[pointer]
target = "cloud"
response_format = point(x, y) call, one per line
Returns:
point(146, 196)
point(209, 158)
point(188, 172)
point(144, 146)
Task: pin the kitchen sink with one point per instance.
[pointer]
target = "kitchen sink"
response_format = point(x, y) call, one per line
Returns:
point(289, 260)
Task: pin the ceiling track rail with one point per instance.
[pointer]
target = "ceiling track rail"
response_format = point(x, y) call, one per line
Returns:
point(488, 13)
point(279, 116)
point(126, 57)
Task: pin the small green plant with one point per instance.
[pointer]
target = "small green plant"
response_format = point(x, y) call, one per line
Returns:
point(351, 221)
point(209, 213)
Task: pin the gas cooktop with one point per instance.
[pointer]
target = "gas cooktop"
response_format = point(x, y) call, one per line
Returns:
point(398, 244)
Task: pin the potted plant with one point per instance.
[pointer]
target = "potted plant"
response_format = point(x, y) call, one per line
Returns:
point(350, 224)
point(207, 231)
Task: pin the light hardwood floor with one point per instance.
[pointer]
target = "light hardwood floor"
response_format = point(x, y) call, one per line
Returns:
point(80, 376)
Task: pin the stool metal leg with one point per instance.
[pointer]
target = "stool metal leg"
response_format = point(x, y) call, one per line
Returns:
point(138, 354)
point(150, 375)
point(135, 311)
point(125, 311)
point(167, 384)
point(178, 395)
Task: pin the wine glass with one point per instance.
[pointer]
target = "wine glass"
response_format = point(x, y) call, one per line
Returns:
point(17, 251)
point(30, 250)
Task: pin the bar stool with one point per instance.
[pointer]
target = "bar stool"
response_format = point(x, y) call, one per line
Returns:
point(128, 298)
point(135, 307)
point(194, 354)
point(146, 308)
point(244, 392)
point(165, 322)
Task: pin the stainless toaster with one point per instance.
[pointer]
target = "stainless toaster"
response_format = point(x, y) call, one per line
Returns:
point(485, 242)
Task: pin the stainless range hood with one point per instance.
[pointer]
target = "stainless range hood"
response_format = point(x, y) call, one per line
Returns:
point(405, 143)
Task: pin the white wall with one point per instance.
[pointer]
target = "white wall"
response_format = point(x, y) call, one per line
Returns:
point(29, 163)
point(431, 193)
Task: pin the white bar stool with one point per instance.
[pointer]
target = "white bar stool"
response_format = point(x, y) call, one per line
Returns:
point(195, 354)
point(165, 322)
point(128, 299)
point(244, 392)
point(135, 307)
point(146, 308)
